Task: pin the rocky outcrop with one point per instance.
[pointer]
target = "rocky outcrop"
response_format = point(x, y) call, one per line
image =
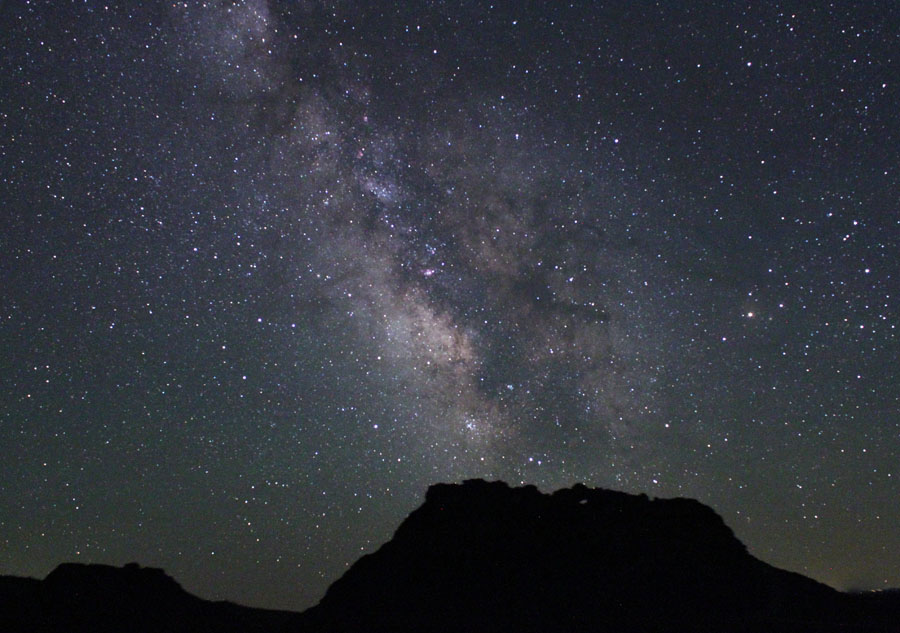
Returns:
point(80, 598)
point(487, 557)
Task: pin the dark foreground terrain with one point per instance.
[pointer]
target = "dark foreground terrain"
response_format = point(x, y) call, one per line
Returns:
point(486, 557)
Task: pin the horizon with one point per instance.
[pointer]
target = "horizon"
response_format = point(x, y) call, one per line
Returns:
point(482, 487)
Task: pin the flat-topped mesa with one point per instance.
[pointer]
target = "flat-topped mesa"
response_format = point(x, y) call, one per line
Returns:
point(484, 556)
point(93, 598)
point(79, 579)
point(477, 503)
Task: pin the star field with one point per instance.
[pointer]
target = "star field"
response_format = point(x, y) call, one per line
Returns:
point(269, 269)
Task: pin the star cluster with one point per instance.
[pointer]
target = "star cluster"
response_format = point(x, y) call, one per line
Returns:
point(270, 269)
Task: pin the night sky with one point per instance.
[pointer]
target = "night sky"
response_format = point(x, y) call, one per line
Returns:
point(268, 270)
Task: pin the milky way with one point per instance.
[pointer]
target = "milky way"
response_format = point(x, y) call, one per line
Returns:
point(271, 269)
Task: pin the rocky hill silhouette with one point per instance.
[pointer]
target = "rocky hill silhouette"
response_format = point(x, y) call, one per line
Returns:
point(486, 557)
point(479, 557)
point(81, 598)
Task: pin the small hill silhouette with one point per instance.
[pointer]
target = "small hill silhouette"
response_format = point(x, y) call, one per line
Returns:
point(81, 598)
point(479, 557)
